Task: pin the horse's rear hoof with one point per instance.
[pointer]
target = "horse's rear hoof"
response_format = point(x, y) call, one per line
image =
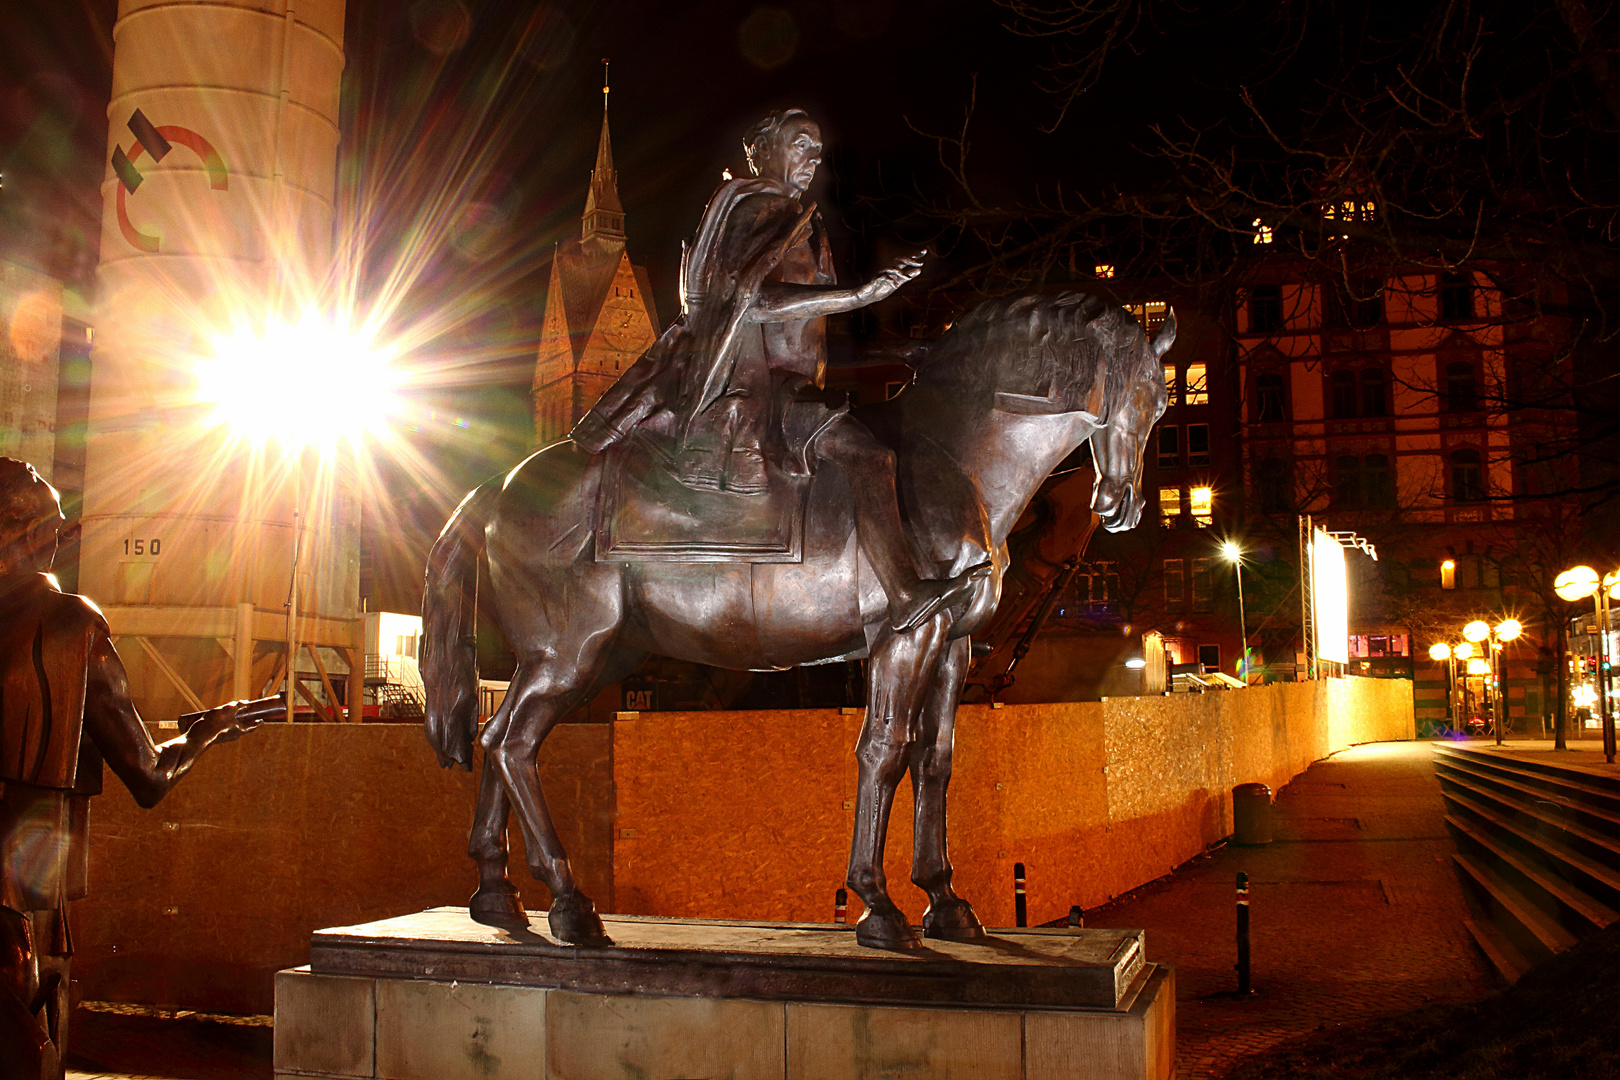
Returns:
point(574, 921)
point(953, 921)
point(886, 930)
point(498, 907)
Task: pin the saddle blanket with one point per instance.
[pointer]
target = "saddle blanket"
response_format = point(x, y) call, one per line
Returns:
point(647, 515)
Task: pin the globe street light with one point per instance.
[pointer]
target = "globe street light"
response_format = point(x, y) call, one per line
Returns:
point(1578, 583)
point(1442, 651)
point(1235, 554)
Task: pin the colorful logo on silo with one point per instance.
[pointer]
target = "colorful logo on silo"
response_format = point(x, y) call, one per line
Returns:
point(156, 141)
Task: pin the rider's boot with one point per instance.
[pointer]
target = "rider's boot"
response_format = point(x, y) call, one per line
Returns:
point(869, 466)
point(912, 600)
point(913, 603)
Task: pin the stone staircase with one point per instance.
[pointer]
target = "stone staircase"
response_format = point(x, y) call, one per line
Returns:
point(1538, 851)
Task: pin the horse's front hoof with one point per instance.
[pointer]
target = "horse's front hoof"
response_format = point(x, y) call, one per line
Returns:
point(953, 921)
point(886, 929)
point(495, 906)
point(574, 921)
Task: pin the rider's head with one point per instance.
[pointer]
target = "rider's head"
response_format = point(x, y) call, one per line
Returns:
point(785, 146)
point(30, 519)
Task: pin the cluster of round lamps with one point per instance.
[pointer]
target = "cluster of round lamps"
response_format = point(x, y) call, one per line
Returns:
point(1473, 634)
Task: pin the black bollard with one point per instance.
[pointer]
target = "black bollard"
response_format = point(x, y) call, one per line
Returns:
point(1243, 933)
point(1077, 917)
point(1020, 906)
point(841, 906)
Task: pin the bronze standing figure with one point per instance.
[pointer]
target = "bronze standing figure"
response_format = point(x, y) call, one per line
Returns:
point(64, 711)
point(642, 533)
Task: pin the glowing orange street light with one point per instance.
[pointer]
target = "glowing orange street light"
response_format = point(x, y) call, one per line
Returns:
point(1577, 583)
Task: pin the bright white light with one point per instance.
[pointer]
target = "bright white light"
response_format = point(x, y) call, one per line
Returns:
point(1331, 597)
point(1463, 650)
point(1509, 629)
point(1477, 631)
point(1576, 584)
point(1136, 662)
point(1479, 666)
point(1585, 697)
point(1439, 651)
point(1231, 550)
point(306, 384)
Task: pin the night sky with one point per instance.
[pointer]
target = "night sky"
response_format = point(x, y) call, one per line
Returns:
point(499, 105)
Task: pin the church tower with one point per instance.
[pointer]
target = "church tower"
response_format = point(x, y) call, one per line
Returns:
point(599, 316)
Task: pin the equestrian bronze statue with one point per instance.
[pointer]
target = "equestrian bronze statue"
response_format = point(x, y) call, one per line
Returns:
point(713, 508)
point(64, 712)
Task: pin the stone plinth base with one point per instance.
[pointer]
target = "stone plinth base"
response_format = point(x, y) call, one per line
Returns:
point(437, 997)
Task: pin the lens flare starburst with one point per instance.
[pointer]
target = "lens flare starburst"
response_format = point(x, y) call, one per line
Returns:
point(309, 383)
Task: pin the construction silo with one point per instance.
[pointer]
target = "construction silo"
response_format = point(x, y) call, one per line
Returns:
point(217, 222)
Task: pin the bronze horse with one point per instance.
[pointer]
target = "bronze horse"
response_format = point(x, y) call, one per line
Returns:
point(1009, 392)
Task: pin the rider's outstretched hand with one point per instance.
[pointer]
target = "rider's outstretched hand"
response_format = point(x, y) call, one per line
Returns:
point(906, 268)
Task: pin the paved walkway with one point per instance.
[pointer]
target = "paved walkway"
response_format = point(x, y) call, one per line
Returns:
point(1355, 912)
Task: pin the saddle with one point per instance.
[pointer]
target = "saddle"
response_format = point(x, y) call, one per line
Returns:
point(648, 514)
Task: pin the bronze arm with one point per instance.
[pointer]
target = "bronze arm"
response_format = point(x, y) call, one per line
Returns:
point(782, 301)
point(149, 770)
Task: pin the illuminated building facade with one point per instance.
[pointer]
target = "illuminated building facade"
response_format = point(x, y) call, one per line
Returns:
point(1393, 405)
point(599, 314)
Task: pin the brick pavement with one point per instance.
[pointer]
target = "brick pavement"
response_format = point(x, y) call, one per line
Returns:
point(1355, 913)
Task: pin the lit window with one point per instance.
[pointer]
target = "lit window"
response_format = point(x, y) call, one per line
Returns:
point(1169, 505)
point(1170, 382)
point(1448, 574)
point(1262, 232)
point(1197, 385)
point(1104, 270)
point(1175, 582)
point(1169, 446)
point(1104, 582)
point(1203, 506)
point(1150, 314)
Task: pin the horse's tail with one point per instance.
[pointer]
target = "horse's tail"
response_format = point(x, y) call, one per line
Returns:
point(449, 629)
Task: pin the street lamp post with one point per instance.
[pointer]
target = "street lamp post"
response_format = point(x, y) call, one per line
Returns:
point(1464, 651)
point(1440, 650)
point(1492, 639)
point(1577, 584)
point(1235, 553)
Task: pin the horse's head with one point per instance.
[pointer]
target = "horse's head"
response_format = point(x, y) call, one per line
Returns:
point(1134, 405)
point(1067, 353)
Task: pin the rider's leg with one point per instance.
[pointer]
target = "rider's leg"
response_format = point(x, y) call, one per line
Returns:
point(869, 466)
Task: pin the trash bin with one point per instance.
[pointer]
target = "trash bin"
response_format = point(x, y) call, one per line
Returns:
point(1251, 814)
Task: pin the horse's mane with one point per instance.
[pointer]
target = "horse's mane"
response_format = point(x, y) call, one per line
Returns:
point(1043, 348)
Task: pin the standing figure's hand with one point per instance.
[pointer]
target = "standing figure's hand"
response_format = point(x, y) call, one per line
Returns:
point(225, 723)
point(905, 269)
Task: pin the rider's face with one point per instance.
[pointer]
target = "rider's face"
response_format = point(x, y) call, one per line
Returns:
point(798, 154)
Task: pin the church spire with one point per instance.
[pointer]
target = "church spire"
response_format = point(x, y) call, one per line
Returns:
point(604, 214)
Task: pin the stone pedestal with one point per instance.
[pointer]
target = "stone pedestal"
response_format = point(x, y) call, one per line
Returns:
point(435, 996)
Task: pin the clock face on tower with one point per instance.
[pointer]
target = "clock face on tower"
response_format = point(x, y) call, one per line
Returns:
point(620, 334)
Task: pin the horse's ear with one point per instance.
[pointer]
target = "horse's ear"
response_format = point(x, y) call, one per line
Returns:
point(1166, 336)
